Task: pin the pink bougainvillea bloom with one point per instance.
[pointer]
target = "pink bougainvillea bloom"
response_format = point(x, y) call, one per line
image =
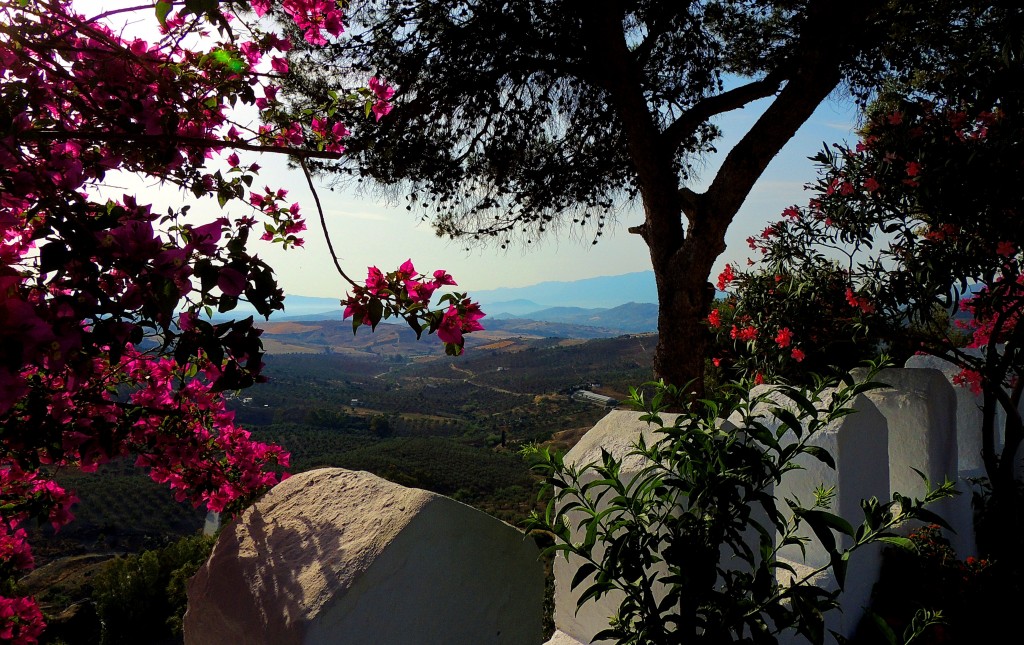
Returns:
point(450, 330)
point(443, 278)
point(471, 315)
point(279, 65)
point(375, 281)
point(381, 109)
point(407, 270)
point(420, 291)
point(339, 131)
point(231, 281)
point(784, 337)
point(381, 89)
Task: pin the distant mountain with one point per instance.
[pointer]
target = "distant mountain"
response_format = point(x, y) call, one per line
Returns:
point(602, 292)
point(632, 317)
point(580, 302)
point(511, 308)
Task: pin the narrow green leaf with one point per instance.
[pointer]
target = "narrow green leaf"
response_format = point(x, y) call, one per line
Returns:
point(822, 455)
point(887, 633)
point(162, 9)
point(901, 542)
point(585, 570)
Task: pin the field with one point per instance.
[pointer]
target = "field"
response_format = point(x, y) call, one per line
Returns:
point(388, 404)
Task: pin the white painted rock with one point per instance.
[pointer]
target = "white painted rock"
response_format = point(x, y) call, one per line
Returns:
point(968, 416)
point(335, 556)
point(859, 445)
point(616, 433)
point(921, 408)
point(561, 638)
point(969, 420)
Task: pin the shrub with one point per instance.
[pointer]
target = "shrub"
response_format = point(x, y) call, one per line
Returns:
point(658, 536)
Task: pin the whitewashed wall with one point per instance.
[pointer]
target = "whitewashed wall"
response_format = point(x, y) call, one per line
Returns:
point(917, 423)
point(338, 557)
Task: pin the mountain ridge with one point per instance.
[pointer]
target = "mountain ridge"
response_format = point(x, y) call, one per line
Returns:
point(622, 303)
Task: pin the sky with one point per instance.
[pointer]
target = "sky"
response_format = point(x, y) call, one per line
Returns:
point(366, 231)
point(371, 232)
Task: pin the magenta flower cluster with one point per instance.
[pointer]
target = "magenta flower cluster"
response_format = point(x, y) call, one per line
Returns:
point(84, 280)
point(407, 294)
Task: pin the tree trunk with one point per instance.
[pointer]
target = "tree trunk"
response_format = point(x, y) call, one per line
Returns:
point(683, 256)
point(684, 297)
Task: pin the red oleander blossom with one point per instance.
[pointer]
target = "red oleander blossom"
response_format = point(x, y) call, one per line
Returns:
point(784, 337)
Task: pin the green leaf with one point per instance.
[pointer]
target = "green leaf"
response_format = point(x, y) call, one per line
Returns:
point(581, 574)
point(901, 542)
point(822, 455)
point(162, 9)
point(376, 311)
point(840, 562)
point(887, 633)
point(787, 417)
point(929, 517)
point(798, 397)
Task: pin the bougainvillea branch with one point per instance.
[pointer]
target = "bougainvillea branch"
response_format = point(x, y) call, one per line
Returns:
point(105, 348)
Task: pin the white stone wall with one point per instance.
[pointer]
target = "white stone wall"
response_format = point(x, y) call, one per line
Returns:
point(917, 423)
point(333, 556)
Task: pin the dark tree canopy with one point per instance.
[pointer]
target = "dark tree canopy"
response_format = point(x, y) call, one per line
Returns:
point(513, 118)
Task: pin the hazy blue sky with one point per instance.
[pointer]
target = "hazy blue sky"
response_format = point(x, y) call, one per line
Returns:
point(366, 231)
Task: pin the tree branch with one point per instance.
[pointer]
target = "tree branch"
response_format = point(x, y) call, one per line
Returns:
point(163, 140)
point(323, 223)
point(688, 122)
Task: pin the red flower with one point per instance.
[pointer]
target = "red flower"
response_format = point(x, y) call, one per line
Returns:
point(725, 277)
point(715, 319)
point(859, 302)
point(784, 337)
point(744, 333)
point(798, 355)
